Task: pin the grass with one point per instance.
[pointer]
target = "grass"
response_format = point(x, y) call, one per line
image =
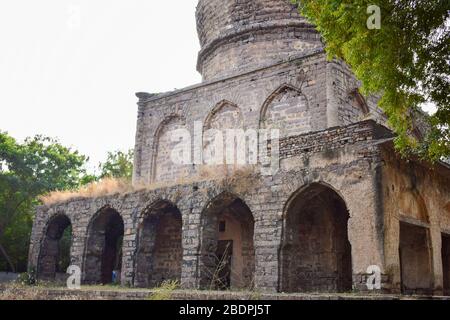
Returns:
point(17, 291)
point(170, 290)
point(165, 290)
point(240, 179)
point(105, 187)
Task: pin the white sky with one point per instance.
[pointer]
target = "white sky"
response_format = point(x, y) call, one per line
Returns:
point(69, 68)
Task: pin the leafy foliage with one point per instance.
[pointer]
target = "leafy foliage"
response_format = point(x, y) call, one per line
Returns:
point(34, 168)
point(27, 170)
point(406, 61)
point(118, 165)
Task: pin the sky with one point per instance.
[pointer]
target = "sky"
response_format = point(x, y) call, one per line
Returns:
point(70, 68)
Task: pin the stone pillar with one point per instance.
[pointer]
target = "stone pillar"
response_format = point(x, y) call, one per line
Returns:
point(392, 256)
point(128, 253)
point(267, 212)
point(191, 245)
point(365, 229)
point(332, 103)
point(78, 244)
point(436, 260)
point(36, 234)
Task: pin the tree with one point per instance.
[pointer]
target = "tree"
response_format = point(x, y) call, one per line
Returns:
point(406, 61)
point(27, 170)
point(118, 164)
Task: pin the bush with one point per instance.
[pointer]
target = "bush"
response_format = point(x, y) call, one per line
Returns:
point(27, 278)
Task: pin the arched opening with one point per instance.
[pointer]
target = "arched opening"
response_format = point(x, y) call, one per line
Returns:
point(316, 252)
point(228, 254)
point(103, 259)
point(415, 259)
point(54, 257)
point(160, 251)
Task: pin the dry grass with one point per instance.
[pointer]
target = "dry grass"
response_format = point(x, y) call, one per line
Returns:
point(240, 179)
point(105, 187)
point(16, 291)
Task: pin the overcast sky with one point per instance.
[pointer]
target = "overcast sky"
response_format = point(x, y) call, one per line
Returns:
point(69, 68)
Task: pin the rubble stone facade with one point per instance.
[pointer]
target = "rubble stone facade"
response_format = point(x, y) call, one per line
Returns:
point(341, 201)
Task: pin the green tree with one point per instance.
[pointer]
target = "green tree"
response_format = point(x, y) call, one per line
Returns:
point(406, 61)
point(27, 170)
point(118, 164)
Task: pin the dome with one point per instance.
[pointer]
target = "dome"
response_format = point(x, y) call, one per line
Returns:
point(241, 35)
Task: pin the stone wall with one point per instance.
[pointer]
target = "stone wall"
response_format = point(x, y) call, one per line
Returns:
point(348, 168)
point(293, 96)
point(415, 200)
point(248, 34)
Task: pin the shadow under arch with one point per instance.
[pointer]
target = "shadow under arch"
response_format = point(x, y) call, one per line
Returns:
point(54, 254)
point(315, 253)
point(227, 254)
point(103, 251)
point(159, 252)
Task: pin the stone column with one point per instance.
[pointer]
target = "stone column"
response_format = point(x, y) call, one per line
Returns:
point(436, 258)
point(332, 103)
point(392, 256)
point(128, 253)
point(365, 228)
point(267, 211)
point(191, 245)
point(36, 234)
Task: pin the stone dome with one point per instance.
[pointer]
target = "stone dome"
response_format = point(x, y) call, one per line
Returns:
point(241, 35)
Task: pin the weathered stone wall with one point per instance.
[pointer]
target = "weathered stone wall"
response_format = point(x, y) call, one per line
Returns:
point(345, 103)
point(292, 96)
point(264, 67)
point(248, 34)
point(415, 195)
point(348, 167)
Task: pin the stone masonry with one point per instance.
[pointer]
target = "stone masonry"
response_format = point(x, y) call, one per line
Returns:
point(341, 201)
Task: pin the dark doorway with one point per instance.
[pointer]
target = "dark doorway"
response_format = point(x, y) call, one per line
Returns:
point(104, 248)
point(316, 252)
point(415, 260)
point(54, 257)
point(160, 250)
point(227, 251)
point(446, 263)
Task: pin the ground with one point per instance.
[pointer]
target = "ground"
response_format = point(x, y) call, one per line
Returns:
point(110, 292)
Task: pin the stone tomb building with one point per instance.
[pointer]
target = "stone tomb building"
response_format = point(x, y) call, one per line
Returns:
point(341, 201)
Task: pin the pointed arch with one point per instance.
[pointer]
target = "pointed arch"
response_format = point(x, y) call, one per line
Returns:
point(159, 255)
point(357, 100)
point(225, 115)
point(103, 249)
point(221, 107)
point(315, 252)
point(54, 254)
point(162, 145)
point(286, 109)
point(227, 251)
